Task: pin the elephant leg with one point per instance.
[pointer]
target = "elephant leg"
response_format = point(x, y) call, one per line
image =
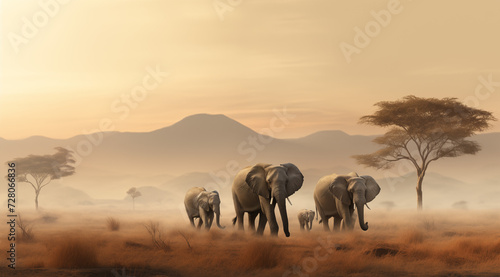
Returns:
point(262, 223)
point(271, 217)
point(191, 220)
point(210, 221)
point(325, 224)
point(347, 222)
point(251, 219)
point(203, 218)
point(200, 222)
point(336, 223)
point(239, 219)
point(310, 225)
point(239, 212)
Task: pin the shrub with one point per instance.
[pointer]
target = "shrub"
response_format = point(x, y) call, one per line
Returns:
point(113, 224)
point(26, 230)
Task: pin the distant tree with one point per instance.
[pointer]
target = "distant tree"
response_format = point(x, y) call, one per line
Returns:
point(389, 205)
point(39, 170)
point(134, 193)
point(423, 130)
point(460, 205)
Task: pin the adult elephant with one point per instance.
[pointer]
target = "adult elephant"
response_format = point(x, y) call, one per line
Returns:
point(203, 204)
point(306, 218)
point(337, 195)
point(257, 189)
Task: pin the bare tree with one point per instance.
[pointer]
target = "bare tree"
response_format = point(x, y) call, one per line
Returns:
point(39, 170)
point(134, 193)
point(423, 130)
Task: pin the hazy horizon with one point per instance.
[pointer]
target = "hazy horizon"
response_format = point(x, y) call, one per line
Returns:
point(257, 131)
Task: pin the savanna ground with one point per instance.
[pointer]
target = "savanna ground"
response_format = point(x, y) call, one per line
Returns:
point(398, 243)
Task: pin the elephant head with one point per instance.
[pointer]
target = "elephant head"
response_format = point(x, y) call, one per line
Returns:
point(308, 217)
point(357, 190)
point(210, 201)
point(275, 183)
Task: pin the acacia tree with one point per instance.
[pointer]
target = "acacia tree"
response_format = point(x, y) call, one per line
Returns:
point(134, 193)
point(39, 170)
point(423, 130)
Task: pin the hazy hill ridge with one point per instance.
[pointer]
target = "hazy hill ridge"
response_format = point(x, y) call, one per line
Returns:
point(206, 144)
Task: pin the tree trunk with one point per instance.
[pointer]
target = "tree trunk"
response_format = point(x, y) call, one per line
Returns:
point(133, 203)
point(419, 192)
point(36, 199)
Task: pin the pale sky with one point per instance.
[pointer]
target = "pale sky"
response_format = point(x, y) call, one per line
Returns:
point(66, 67)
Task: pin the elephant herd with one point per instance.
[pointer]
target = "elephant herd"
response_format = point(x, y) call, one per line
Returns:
point(258, 189)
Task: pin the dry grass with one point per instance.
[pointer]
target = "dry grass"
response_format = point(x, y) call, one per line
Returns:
point(156, 233)
point(73, 252)
point(412, 237)
point(395, 245)
point(113, 224)
point(258, 254)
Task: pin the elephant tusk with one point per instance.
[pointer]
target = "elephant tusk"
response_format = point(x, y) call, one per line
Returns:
point(368, 207)
point(289, 201)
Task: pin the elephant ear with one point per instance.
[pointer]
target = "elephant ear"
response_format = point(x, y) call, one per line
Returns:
point(202, 201)
point(214, 197)
point(339, 189)
point(295, 178)
point(372, 188)
point(256, 179)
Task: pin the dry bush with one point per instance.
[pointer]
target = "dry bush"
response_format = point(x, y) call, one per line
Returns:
point(260, 254)
point(26, 230)
point(113, 224)
point(74, 252)
point(154, 230)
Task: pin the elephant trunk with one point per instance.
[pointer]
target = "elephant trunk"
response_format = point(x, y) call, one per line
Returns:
point(284, 216)
point(361, 216)
point(217, 218)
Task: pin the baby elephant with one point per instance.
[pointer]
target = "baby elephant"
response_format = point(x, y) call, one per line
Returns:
point(306, 218)
point(203, 204)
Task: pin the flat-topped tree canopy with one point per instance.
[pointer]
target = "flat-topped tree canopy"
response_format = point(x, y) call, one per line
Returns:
point(39, 170)
point(423, 130)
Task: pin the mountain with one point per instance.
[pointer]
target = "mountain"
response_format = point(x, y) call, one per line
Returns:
point(207, 150)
